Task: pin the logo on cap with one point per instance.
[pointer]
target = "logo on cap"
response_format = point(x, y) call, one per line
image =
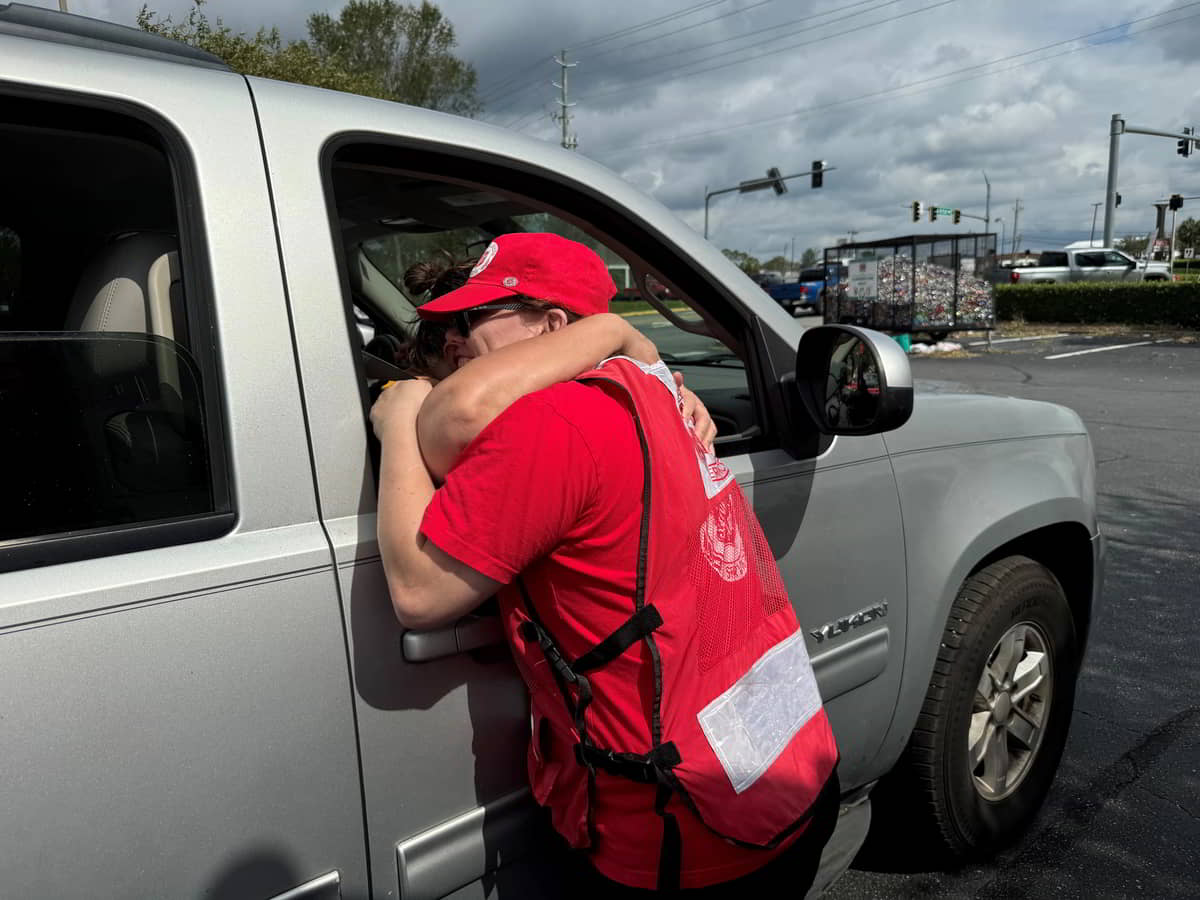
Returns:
point(509, 281)
point(488, 255)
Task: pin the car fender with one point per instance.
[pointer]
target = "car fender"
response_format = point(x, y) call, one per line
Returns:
point(960, 506)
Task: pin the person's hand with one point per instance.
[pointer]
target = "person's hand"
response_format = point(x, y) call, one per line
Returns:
point(634, 344)
point(398, 404)
point(692, 409)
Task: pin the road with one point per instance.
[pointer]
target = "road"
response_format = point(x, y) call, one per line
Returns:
point(1123, 817)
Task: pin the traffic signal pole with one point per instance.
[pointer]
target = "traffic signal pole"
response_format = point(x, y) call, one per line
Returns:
point(1185, 138)
point(773, 180)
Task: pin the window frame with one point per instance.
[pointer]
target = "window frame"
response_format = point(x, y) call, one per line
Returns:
point(110, 540)
point(579, 204)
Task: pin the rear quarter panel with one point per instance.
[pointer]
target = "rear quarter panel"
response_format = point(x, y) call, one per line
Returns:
point(963, 499)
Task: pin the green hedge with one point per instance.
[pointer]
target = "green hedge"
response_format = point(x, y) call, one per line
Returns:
point(1153, 303)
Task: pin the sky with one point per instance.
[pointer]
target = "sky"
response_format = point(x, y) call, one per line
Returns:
point(905, 99)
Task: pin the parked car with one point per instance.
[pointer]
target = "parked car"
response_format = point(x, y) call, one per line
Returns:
point(806, 292)
point(206, 692)
point(1058, 266)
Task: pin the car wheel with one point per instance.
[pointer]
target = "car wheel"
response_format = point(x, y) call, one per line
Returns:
point(994, 722)
point(819, 306)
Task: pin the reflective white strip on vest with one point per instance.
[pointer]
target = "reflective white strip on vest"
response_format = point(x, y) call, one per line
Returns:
point(750, 724)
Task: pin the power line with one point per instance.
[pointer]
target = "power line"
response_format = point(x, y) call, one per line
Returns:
point(771, 28)
point(669, 17)
point(911, 84)
point(497, 92)
point(515, 91)
point(679, 31)
point(655, 76)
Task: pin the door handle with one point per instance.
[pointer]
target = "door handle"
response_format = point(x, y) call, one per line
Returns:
point(468, 633)
point(323, 887)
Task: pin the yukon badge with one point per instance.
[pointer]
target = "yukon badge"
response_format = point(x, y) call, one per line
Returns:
point(854, 620)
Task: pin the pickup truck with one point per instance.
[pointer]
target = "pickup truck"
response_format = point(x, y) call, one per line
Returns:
point(806, 292)
point(206, 691)
point(1058, 266)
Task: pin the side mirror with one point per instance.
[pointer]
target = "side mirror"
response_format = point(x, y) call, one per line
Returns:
point(853, 381)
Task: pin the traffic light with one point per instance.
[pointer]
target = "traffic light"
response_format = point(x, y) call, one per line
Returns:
point(1184, 145)
point(917, 208)
point(778, 184)
point(1118, 203)
point(1176, 202)
point(957, 216)
point(933, 214)
point(818, 172)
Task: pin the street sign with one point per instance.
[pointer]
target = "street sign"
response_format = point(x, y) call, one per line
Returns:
point(864, 280)
point(945, 210)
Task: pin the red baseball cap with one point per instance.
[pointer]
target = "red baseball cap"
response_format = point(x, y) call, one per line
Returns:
point(531, 264)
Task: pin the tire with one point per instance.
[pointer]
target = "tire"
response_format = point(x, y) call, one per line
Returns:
point(971, 811)
point(819, 306)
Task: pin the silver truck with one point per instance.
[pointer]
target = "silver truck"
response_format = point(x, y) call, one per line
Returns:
point(1097, 264)
point(206, 693)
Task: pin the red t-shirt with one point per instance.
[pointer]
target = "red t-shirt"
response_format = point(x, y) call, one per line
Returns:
point(552, 490)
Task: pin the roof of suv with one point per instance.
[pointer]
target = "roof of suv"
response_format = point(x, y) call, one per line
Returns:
point(21, 20)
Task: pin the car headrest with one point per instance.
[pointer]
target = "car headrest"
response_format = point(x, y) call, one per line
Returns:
point(127, 287)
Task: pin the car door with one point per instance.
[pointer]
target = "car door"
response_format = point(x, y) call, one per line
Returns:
point(176, 715)
point(1090, 265)
point(443, 717)
point(1119, 267)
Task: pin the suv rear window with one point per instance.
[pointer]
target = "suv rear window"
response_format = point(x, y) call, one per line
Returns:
point(109, 426)
point(812, 275)
point(1052, 258)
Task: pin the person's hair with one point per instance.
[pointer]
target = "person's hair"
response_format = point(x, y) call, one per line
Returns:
point(435, 277)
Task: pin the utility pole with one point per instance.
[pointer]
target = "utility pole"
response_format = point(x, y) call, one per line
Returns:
point(987, 207)
point(569, 141)
point(1016, 217)
point(1095, 210)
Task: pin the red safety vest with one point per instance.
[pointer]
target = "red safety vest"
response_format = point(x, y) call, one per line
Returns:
point(738, 729)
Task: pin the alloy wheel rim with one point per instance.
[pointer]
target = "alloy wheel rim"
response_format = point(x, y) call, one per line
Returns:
point(1010, 711)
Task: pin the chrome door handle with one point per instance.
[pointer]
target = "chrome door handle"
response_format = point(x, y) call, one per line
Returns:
point(468, 633)
point(323, 887)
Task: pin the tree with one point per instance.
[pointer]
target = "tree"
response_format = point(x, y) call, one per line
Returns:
point(1132, 244)
point(263, 54)
point(777, 264)
point(407, 48)
point(743, 261)
point(379, 48)
point(809, 259)
point(1188, 235)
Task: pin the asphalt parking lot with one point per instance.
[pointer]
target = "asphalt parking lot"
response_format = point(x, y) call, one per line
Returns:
point(1123, 817)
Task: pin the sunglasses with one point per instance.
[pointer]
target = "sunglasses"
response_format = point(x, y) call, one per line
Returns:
point(462, 318)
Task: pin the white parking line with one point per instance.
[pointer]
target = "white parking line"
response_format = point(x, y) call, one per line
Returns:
point(1035, 337)
point(1102, 349)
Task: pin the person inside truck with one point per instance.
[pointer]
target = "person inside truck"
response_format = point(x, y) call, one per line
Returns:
point(638, 594)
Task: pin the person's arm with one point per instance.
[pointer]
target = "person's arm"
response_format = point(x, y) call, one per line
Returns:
point(464, 404)
point(428, 586)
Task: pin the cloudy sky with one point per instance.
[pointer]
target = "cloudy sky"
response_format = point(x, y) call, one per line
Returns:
point(908, 99)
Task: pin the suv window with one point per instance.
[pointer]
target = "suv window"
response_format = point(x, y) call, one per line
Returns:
point(1089, 260)
point(108, 423)
point(1053, 258)
point(1113, 258)
point(812, 275)
point(414, 217)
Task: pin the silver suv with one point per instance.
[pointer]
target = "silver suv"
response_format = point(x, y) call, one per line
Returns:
point(206, 692)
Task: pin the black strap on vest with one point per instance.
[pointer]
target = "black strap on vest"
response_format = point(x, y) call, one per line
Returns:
point(655, 766)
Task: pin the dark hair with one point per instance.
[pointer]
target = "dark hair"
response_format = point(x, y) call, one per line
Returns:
point(434, 277)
